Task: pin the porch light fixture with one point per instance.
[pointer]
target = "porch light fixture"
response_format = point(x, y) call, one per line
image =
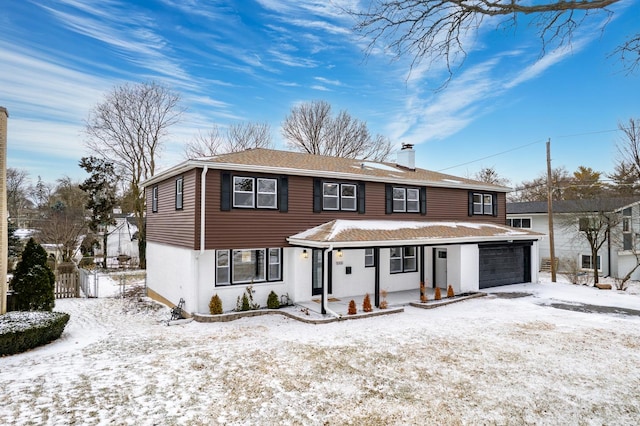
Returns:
point(305, 255)
point(339, 253)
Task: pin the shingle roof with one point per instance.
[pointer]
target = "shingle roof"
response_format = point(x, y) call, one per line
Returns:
point(359, 233)
point(571, 206)
point(298, 163)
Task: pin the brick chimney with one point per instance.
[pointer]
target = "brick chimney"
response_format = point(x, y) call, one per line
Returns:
point(4, 233)
point(406, 157)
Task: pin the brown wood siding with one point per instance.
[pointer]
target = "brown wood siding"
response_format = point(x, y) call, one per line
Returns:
point(171, 226)
point(257, 228)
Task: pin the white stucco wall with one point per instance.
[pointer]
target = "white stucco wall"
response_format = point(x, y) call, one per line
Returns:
point(171, 273)
point(360, 281)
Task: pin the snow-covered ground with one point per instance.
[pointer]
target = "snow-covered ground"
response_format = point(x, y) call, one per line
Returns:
point(491, 360)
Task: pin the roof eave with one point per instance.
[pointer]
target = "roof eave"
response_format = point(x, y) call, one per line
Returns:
point(189, 164)
point(411, 242)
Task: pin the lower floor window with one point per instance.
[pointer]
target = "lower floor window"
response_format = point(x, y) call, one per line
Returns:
point(587, 262)
point(243, 266)
point(403, 259)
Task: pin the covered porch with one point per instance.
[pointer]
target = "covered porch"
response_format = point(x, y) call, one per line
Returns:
point(354, 257)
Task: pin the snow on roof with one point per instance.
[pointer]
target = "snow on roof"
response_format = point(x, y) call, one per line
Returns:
point(354, 231)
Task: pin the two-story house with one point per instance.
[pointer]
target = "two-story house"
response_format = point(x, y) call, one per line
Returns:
point(616, 256)
point(312, 226)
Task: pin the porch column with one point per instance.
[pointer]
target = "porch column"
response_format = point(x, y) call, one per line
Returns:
point(421, 266)
point(376, 262)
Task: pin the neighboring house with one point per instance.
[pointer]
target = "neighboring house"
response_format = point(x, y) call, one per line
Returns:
point(312, 227)
point(122, 241)
point(616, 256)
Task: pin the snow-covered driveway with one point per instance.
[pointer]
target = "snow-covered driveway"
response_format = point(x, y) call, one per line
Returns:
point(483, 361)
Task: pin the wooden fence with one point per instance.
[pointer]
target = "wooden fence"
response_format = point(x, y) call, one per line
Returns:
point(67, 285)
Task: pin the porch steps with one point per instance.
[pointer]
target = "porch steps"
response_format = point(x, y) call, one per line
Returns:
point(545, 266)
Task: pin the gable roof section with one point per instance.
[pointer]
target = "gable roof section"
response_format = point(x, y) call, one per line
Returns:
point(367, 233)
point(571, 206)
point(303, 164)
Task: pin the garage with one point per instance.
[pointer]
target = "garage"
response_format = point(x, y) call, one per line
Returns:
point(505, 264)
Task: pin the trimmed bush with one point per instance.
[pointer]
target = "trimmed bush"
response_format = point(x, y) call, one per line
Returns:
point(352, 308)
point(272, 300)
point(366, 303)
point(437, 295)
point(215, 305)
point(21, 331)
point(244, 303)
point(33, 281)
point(450, 292)
point(383, 303)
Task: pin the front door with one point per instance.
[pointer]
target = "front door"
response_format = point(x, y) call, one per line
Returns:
point(441, 268)
point(316, 272)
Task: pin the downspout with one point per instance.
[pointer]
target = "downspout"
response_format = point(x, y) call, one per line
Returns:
point(325, 287)
point(203, 187)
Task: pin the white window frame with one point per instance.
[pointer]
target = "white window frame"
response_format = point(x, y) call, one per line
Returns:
point(179, 193)
point(339, 197)
point(369, 258)
point(403, 199)
point(273, 193)
point(413, 196)
point(404, 255)
point(222, 267)
point(513, 224)
point(348, 197)
point(271, 277)
point(483, 204)
point(327, 197)
point(154, 199)
point(252, 192)
point(583, 257)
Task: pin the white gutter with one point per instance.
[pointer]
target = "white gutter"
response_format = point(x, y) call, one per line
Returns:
point(404, 180)
point(325, 278)
point(203, 187)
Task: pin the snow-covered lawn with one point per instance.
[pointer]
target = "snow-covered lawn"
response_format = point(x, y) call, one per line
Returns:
point(491, 360)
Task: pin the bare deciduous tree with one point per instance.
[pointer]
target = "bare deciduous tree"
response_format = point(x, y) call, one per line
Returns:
point(629, 145)
point(310, 127)
point(128, 128)
point(490, 175)
point(17, 193)
point(439, 31)
point(536, 189)
point(239, 136)
point(594, 219)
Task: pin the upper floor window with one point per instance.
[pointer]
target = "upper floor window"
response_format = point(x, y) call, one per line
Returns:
point(339, 196)
point(481, 203)
point(249, 192)
point(179, 189)
point(406, 200)
point(403, 259)
point(154, 199)
point(401, 199)
point(517, 222)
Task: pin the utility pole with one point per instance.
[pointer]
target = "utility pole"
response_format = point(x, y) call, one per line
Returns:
point(552, 248)
point(4, 232)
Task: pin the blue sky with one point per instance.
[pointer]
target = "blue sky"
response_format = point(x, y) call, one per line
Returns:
point(237, 61)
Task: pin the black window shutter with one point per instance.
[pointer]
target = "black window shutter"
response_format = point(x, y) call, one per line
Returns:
point(317, 195)
point(225, 191)
point(388, 190)
point(495, 203)
point(284, 194)
point(423, 201)
point(361, 198)
point(470, 203)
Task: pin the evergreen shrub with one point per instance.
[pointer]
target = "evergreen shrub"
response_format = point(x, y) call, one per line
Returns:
point(215, 305)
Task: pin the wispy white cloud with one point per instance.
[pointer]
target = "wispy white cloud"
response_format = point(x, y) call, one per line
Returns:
point(327, 81)
point(320, 88)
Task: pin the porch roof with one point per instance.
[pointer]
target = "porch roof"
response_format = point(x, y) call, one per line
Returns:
point(386, 233)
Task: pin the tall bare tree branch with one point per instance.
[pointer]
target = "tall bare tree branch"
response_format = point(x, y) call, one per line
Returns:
point(439, 31)
point(239, 136)
point(128, 128)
